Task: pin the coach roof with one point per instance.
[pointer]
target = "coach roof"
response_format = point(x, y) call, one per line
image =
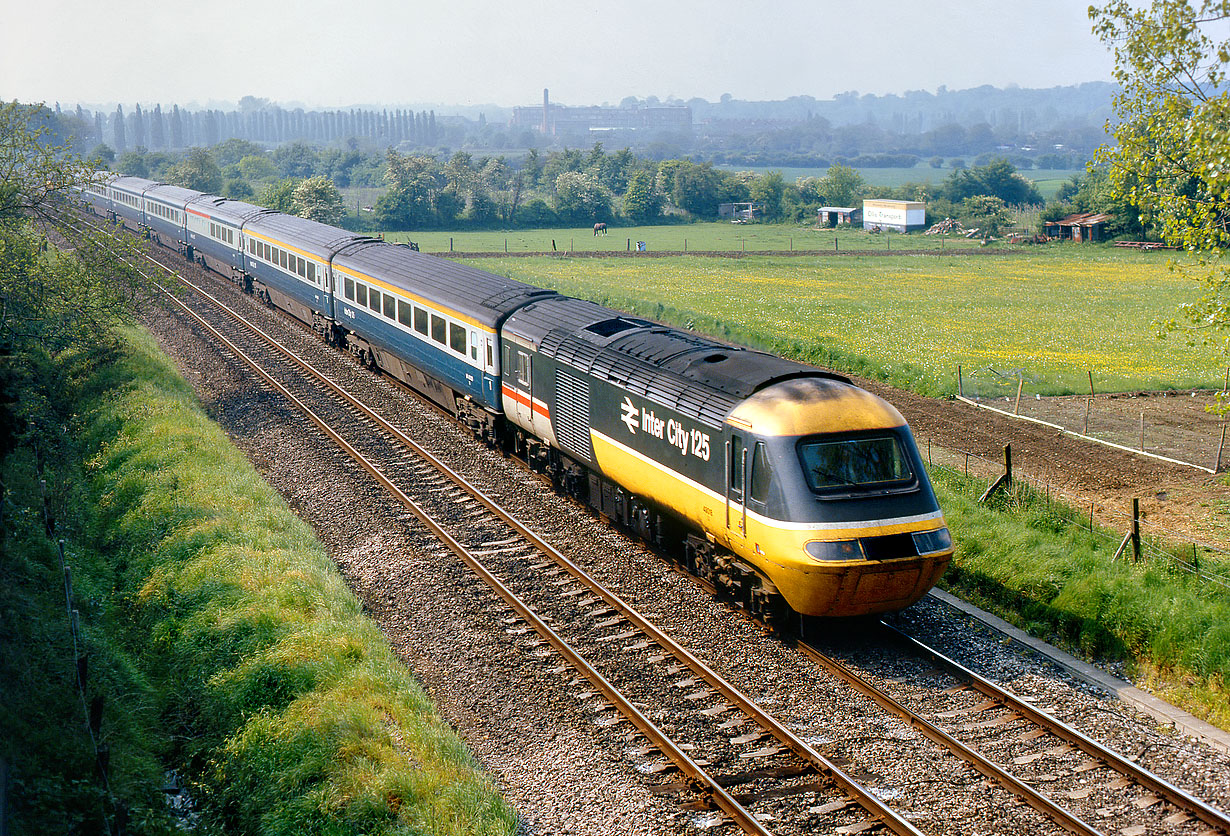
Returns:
point(476, 294)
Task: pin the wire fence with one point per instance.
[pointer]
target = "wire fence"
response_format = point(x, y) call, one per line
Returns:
point(1103, 520)
point(1174, 426)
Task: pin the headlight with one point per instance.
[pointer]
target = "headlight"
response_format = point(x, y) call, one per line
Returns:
point(834, 549)
point(930, 542)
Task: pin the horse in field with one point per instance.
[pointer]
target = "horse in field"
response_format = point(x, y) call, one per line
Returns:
point(599, 228)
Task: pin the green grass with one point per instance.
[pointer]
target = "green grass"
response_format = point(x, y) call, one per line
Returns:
point(1029, 561)
point(291, 711)
point(697, 237)
point(1051, 313)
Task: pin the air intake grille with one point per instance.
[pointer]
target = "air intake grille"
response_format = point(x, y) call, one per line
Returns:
point(572, 415)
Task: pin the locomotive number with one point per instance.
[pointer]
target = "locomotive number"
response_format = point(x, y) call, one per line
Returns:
point(700, 444)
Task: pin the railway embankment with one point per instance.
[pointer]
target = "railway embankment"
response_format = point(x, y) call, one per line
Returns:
point(219, 640)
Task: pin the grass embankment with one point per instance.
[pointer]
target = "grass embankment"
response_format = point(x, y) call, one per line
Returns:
point(1029, 561)
point(289, 712)
point(1050, 313)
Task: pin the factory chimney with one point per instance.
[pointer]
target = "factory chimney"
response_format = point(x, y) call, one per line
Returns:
point(546, 111)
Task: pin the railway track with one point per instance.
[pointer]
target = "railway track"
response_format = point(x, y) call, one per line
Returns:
point(715, 748)
point(707, 734)
point(964, 705)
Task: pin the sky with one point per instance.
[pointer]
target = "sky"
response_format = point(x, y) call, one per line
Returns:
point(329, 53)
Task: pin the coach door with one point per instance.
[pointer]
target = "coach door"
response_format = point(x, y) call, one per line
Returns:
point(522, 375)
point(736, 486)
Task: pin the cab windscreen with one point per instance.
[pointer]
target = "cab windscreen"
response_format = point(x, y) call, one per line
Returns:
point(855, 463)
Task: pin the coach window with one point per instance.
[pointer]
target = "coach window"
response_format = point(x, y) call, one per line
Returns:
point(420, 320)
point(390, 306)
point(457, 338)
point(438, 328)
point(373, 299)
point(473, 345)
point(404, 315)
point(361, 294)
point(349, 288)
point(282, 259)
point(311, 272)
point(301, 267)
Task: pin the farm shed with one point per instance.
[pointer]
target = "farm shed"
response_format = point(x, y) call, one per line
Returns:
point(901, 215)
point(1081, 227)
point(836, 215)
point(740, 211)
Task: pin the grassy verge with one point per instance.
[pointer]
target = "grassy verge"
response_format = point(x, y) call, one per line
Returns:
point(289, 712)
point(1027, 560)
point(56, 782)
point(910, 321)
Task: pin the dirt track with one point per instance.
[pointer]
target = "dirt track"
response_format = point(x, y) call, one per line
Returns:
point(1183, 500)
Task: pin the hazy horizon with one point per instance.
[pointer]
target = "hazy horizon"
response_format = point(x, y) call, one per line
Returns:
point(479, 53)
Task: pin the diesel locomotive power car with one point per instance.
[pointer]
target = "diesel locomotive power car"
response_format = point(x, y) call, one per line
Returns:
point(787, 486)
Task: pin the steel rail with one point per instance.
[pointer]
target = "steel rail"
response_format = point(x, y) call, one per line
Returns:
point(709, 791)
point(1159, 786)
point(1044, 805)
point(801, 749)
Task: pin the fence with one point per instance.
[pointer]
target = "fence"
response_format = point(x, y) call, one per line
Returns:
point(1115, 526)
point(1172, 426)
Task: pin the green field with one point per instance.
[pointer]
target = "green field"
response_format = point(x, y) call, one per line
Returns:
point(1050, 313)
point(678, 238)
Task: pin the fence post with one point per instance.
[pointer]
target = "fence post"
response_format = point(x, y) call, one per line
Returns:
point(1091, 395)
point(1020, 384)
point(450, 244)
point(629, 245)
point(1221, 445)
point(1136, 529)
point(960, 383)
point(1088, 406)
point(1142, 432)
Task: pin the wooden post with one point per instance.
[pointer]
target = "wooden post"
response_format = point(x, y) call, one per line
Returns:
point(685, 245)
point(506, 245)
point(1136, 529)
point(1221, 446)
point(1090, 517)
point(791, 243)
point(960, 384)
point(1088, 405)
point(1142, 432)
point(834, 243)
point(1008, 464)
point(450, 243)
point(1020, 384)
point(1091, 384)
point(629, 245)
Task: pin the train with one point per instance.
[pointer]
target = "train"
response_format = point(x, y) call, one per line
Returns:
point(789, 488)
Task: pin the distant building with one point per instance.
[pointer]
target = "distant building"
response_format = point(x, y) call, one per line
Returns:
point(1083, 226)
point(837, 215)
point(900, 215)
point(740, 211)
point(560, 120)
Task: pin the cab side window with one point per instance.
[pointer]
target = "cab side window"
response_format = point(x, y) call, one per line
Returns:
point(761, 475)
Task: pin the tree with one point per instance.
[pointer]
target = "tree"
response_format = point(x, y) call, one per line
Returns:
point(1169, 156)
point(843, 186)
point(317, 199)
point(52, 300)
point(985, 212)
point(642, 202)
point(279, 196)
point(997, 178)
point(579, 197)
point(197, 170)
point(298, 159)
point(257, 167)
point(769, 189)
